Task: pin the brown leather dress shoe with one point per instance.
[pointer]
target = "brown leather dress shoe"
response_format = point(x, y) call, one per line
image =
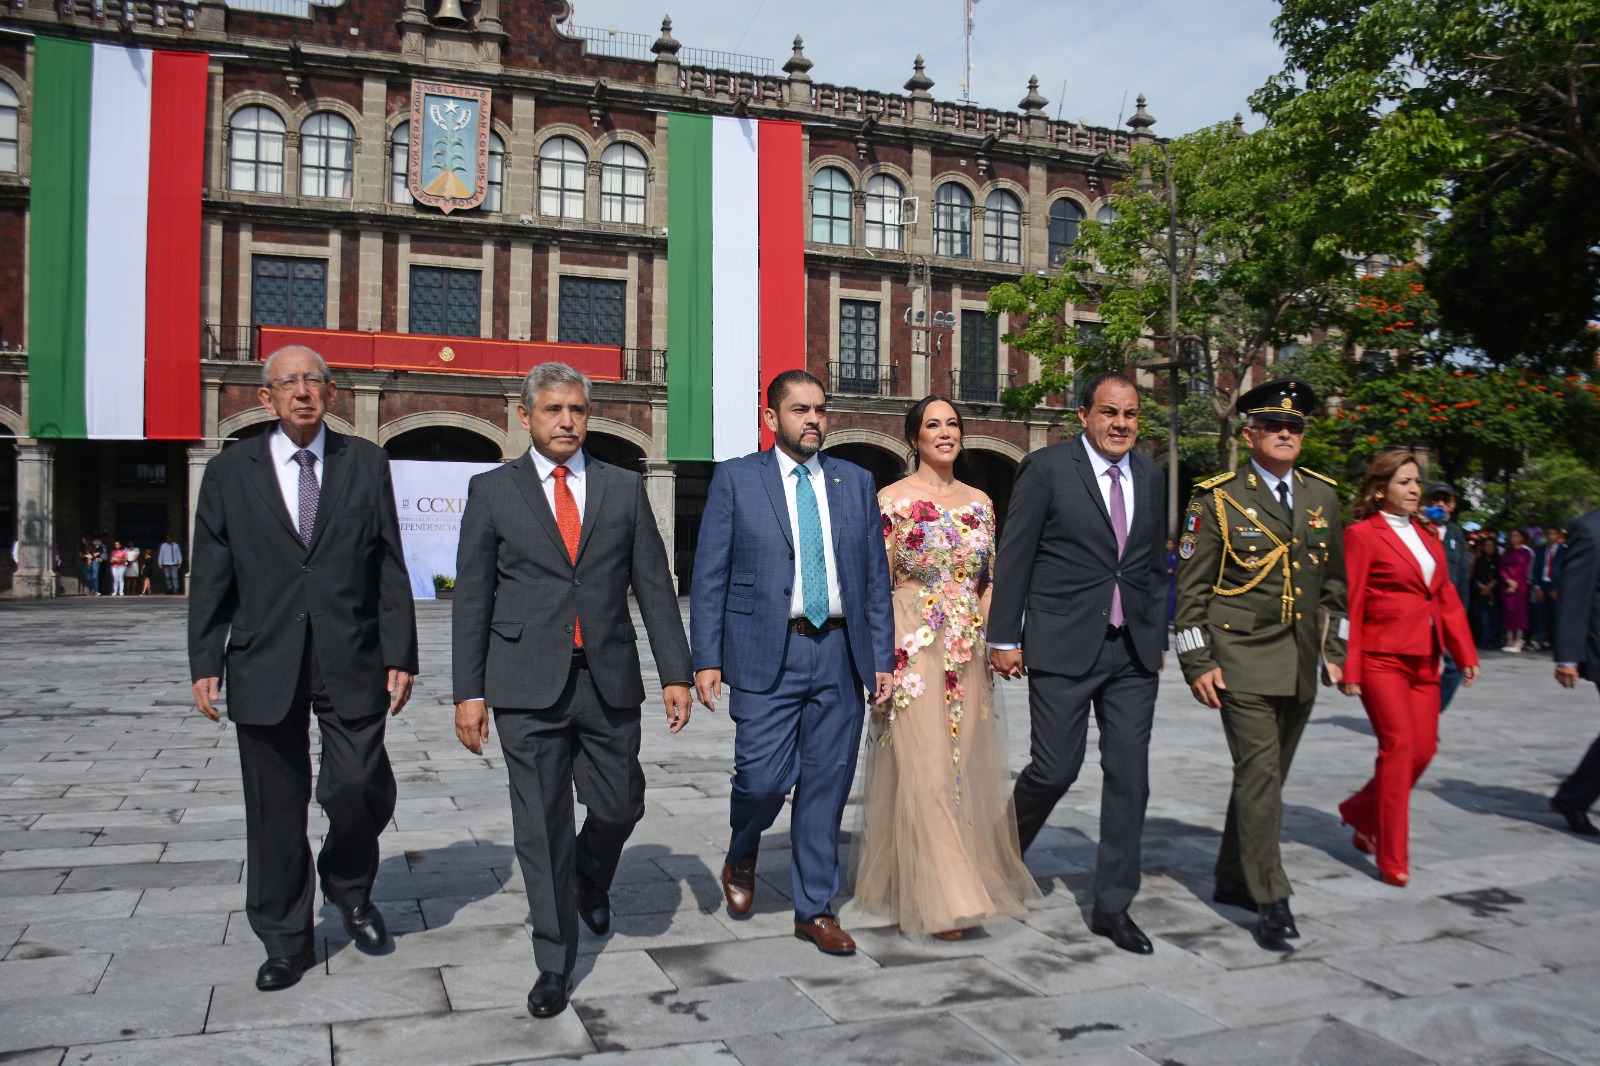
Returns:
point(824, 931)
point(739, 884)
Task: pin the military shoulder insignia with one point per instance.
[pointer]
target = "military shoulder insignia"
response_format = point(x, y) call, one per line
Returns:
point(1186, 546)
point(1221, 479)
point(1319, 477)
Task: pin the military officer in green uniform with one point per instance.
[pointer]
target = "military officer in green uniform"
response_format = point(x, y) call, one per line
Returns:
point(1261, 605)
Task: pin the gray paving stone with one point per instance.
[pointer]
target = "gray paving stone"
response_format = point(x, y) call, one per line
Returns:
point(1050, 1030)
point(1097, 964)
point(14, 840)
point(152, 875)
point(118, 935)
point(464, 1038)
point(1560, 944)
point(625, 1022)
point(32, 882)
point(60, 1021)
point(25, 975)
point(1308, 1042)
point(948, 985)
point(1434, 966)
point(711, 1053)
point(1526, 1055)
point(938, 1039)
point(322, 997)
point(76, 857)
point(431, 948)
point(190, 899)
point(69, 906)
point(1293, 988)
point(307, 1045)
point(691, 965)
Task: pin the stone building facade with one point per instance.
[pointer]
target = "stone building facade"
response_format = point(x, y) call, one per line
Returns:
point(916, 206)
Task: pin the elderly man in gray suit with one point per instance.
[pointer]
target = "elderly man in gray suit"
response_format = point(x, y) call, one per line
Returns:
point(550, 545)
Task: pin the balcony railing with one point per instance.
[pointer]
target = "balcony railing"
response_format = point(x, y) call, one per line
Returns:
point(863, 379)
point(233, 343)
point(647, 366)
point(979, 388)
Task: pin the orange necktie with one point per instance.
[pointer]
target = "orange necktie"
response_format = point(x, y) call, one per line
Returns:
point(571, 527)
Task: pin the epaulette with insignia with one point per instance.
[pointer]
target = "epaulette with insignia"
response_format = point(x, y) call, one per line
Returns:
point(1319, 477)
point(1220, 479)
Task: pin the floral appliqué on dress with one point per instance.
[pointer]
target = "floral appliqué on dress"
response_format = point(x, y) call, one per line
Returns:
point(951, 551)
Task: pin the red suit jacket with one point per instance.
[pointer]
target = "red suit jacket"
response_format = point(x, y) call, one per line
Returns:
point(1391, 609)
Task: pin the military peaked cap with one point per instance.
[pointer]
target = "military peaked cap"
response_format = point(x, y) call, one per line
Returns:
point(1284, 400)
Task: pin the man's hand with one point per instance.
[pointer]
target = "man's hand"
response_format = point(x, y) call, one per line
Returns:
point(1470, 676)
point(1350, 690)
point(209, 689)
point(400, 684)
point(1538, 595)
point(708, 687)
point(884, 690)
point(1332, 673)
point(1007, 662)
point(1207, 688)
point(678, 704)
point(472, 724)
point(1567, 675)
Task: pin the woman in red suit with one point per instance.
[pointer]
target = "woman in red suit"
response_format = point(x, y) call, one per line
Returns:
point(1404, 612)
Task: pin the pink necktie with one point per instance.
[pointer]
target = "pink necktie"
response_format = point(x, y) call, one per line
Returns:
point(1119, 526)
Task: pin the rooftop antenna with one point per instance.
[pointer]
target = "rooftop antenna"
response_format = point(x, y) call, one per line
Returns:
point(1061, 100)
point(966, 31)
point(1121, 109)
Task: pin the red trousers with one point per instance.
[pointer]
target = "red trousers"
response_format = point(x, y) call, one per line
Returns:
point(1401, 696)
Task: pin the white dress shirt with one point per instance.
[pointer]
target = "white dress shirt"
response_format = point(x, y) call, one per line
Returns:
point(1407, 532)
point(1101, 464)
point(819, 485)
point(1272, 481)
point(546, 469)
point(283, 451)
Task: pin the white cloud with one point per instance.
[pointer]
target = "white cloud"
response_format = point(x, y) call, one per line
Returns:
point(1196, 60)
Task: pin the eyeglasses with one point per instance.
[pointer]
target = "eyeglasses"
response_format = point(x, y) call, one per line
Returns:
point(1278, 427)
point(314, 382)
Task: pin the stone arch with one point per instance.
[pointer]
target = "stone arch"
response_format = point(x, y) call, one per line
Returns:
point(816, 165)
point(339, 107)
point(638, 140)
point(1019, 191)
point(979, 443)
point(899, 174)
point(1075, 196)
point(12, 420)
point(961, 180)
point(876, 438)
point(621, 430)
point(565, 129)
point(886, 458)
point(256, 98)
point(256, 415)
point(449, 419)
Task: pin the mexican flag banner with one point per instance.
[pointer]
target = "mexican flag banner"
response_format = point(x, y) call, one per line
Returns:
point(736, 282)
point(114, 242)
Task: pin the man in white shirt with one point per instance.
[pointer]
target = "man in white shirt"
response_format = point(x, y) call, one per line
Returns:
point(170, 559)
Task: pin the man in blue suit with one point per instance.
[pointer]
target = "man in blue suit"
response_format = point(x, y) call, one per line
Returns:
point(790, 605)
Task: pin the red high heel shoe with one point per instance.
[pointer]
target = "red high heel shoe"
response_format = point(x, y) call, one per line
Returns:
point(951, 934)
point(1363, 843)
point(1398, 880)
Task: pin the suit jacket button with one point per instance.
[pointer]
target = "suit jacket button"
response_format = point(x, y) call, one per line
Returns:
point(791, 557)
point(576, 582)
point(1116, 573)
point(788, 592)
point(300, 618)
point(569, 629)
point(1106, 610)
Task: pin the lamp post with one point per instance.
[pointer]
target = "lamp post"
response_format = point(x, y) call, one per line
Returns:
point(1141, 122)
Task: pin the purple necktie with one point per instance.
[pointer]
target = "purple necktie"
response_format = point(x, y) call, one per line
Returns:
point(1119, 526)
point(309, 491)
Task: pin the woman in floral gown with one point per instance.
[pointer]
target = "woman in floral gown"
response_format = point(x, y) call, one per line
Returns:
point(939, 847)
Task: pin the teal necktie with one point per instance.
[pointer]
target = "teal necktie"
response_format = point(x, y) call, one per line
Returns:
point(813, 561)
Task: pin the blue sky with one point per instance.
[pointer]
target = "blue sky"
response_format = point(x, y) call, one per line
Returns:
point(1196, 60)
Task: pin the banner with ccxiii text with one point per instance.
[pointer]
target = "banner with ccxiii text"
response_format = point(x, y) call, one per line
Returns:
point(430, 498)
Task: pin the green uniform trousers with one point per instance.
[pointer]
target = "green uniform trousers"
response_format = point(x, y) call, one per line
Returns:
point(1263, 732)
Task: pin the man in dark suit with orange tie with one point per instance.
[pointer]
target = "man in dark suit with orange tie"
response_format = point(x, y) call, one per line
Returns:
point(551, 543)
point(298, 595)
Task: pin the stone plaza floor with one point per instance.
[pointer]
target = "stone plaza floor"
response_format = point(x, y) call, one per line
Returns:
point(123, 939)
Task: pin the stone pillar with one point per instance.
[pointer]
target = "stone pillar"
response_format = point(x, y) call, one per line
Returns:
point(199, 458)
point(36, 520)
point(517, 439)
point(661, 486)
point(1038, 435)
point(367, 411)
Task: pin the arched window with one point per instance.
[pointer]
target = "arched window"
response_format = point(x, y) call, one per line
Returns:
point(562, 167)
point(952, 221)
point(495, 178)
point(399, 162)
point(1064, 218)
point(1002, 227)
point(830, 206)
point(883, 213)
point(10, 107)
point(1106, 215)
point(622, 172)
point(255, 150)
point(327, 155)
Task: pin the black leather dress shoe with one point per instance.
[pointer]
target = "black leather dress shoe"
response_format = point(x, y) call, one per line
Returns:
point(549, 994)
point(594, 907)
point(1232, 895)
point(1577, 818)
point(281, 971)
point(1121, 930)
point(365, 926)
point(1275, 924)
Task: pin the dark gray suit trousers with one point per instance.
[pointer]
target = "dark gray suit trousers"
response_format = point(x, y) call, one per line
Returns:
point(1123, 696)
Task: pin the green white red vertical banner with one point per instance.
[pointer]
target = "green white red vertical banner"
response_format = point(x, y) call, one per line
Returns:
point(735, 278)
point(114, 242)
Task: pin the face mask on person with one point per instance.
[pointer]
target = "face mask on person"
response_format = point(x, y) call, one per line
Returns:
point(1434, 513)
